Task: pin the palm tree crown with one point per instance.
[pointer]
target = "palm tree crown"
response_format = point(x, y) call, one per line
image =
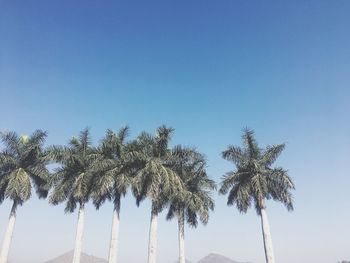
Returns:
point(254, 180)
point(72, 180)
point(196, 199)
point(155, 176)
point(113, 170)
point(23, 166)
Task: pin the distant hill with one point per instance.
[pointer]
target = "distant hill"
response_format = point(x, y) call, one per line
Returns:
point(68, 257)
point(85, 258)
point(216, 258)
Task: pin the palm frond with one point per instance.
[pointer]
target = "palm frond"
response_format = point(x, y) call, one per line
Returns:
point(280, 186)
point(234, 154)
point(19, 186)
point(123, 133)
point(11, 142)
point(38, 137)
point(271, 153)
point(85, 139)
point(250, 143)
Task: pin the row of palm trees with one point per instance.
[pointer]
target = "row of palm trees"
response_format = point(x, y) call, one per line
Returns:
point(171, 178)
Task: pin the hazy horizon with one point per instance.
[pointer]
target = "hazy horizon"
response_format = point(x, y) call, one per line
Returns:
point(207, 69)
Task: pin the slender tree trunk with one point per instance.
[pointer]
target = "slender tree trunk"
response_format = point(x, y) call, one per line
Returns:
point(152, 243)
point(181, 223)
point(269, 255)
point(9, 233)
point(113, 248)
point(79, 235)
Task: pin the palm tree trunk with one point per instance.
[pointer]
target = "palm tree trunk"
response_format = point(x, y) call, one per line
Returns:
point(152, 243)
point(113, 249)
point(181, 223)
point(269, 255)
point(9, 233)
point(79, 234)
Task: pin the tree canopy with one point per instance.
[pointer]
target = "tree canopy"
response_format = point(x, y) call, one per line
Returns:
point(72, 180)
point(254, 179)
point(23, 166)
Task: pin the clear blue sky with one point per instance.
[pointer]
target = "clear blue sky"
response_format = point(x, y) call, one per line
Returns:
point(208, 69)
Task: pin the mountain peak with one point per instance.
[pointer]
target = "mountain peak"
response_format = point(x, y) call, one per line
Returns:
point(216, 258)
point(68, 257)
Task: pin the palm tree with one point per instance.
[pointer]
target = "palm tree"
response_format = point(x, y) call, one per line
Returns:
point(255, 181)
point(195, 201)
point(72, 180)
point(112, 180)
point(22, 166)
point(155, 178)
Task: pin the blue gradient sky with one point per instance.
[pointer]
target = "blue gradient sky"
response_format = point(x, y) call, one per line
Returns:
point(206, 68)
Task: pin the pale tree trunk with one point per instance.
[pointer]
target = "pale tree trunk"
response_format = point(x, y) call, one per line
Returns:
point(269, 255)
point(152, 243)
point(113, 248)
point(181, 223)
point(79, 235)
point(9, 233)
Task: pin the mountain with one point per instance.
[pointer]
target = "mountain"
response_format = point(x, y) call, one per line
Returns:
point(216, 258)
point(68, 257)
point(85, 258)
